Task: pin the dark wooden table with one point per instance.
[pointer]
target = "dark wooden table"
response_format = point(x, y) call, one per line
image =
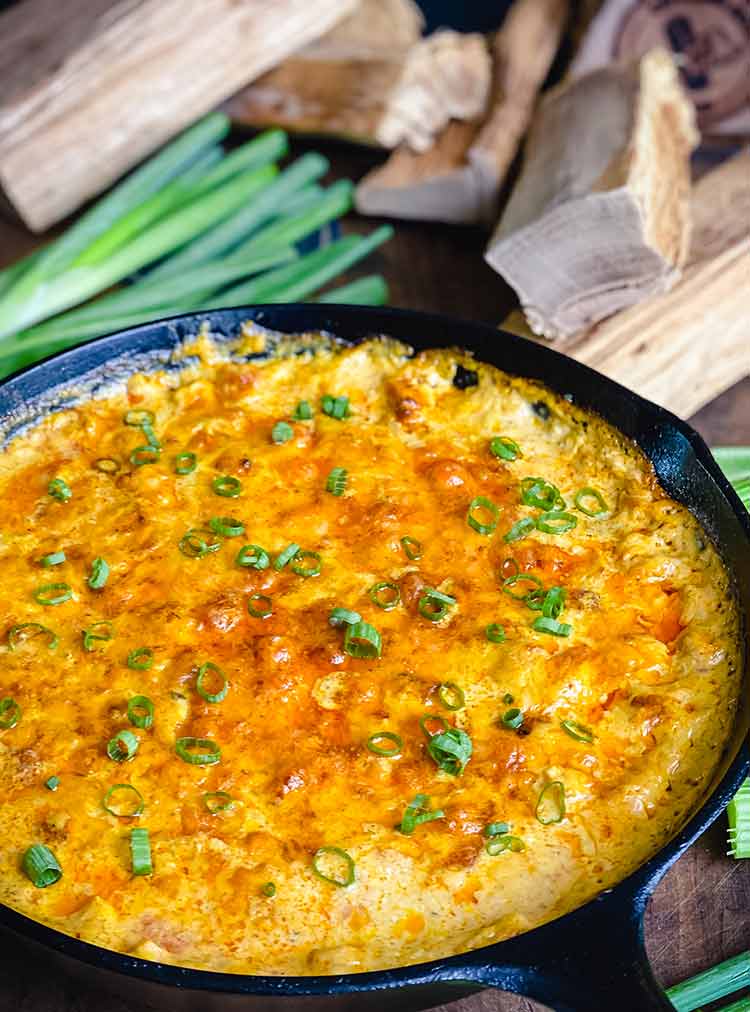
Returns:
point(700, 914)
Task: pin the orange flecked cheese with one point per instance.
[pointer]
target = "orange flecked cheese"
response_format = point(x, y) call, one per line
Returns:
point(647, 677)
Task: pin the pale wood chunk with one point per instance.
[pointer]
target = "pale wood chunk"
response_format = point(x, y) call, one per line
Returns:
point(600, 217)
point(112, 80)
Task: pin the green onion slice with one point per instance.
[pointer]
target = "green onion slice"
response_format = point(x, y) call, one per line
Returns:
point(412, 548)
point(218, 801)
point(98, 632)
point(496, 829)
point(123, 801)
point(499, 844)
point(511, 581)
point(10, 713)
point(343, 616)
point(451, 750)
point(151, 437)
point(434, 604)
point(598, 511)
point(140, 659)
point(306, 569)
point(540, 494)
point(197, 543)
point(53, 559)
point(198, 751)
point(268, 889)
point(335, 407)
point(138, 417)
point(520, 529)
point(140, 852)
point(141, 712)
point(227, 486)
point(578, 731)
point(282, 432)
point(512, 719)
point(227, 527)
point(260, 605)
point(52, 594)
point(508, 698)
point(376, 745)
point(145, 455)
point(59, 489)
point(550, 807)
point(336, 481)
point(212, 671)
point(253, 556)
point(341, 868)
point(551, 626)
point(385, 595)
point(451, 696)
point(285, 556)
point(504, 447)
point(417, 813)
point(426, 718)
point(303, 412)
point(122, 747)
point(495, 633)
point(535, 599)
point(99, 574)
point(41, 866)
point(52, 783)
point(185, 463)
point(107, 465)
point(554, 602)
point(362, 640)
point(483, 506)
point(556, 522)
point(27, 631)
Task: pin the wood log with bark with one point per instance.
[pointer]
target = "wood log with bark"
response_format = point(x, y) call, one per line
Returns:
point(111, 80)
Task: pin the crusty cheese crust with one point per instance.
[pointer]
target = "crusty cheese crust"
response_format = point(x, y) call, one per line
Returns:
point(651, 665)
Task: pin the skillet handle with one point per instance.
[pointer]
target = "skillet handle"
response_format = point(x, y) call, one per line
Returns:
point(592, 960)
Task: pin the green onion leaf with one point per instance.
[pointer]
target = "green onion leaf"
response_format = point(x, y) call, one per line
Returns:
point(336, 481)
point(520, 529)
point(28, 631)
point(282, 432)
point(212, 671)
point(259, 606)
point(512, 719)
point(362, 640)
point(123, 801)
point(198, 543)
point(122, 747)
point(198, 751)
point(218, 801)
point(98, 632)
point(554, 602)
point(10, 713)
point(598, 509)
point(511, 581)
point(107, 465)
point(451, 750)
point(141, 712)
point(417, 813)
point(145, 455)
point(578, 731)
point(283, 558)
point(99, 574)
point(51, 594)
point(489, 514)
point(59, 489)
point(499, 844)
point(339, 871)
point(52, 783)
point(41, 866)
point(253, 556)
point(343, 616)
point(335, 407)
point(374, 743)
point(303, 412)
point(227, 527)
point(412, 548)
point(738, 814)
point(504, 447)
point(306, 569)
point(556, 522)
point(550, 807)
point(716, 982)
point(451, 696)
point(495, 633)
point(385, 595)
point(140, 659)
point(268, 889)
point(53, 559)
point(227, 486)
point(540, 494)
point(185, 463)
point(551, 626)
point(140, 852)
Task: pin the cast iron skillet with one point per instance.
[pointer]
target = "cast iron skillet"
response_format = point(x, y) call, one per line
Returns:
point(589, 960)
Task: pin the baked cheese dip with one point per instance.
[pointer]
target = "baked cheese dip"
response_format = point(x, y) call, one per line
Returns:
point(338, 658)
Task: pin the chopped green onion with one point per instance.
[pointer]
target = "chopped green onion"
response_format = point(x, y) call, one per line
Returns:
point(520, 529)
point(218, 801)
point(282, 432)
point(145, 455)
point(129, 796)
point(550, 807)
point(362, 640)
point(208, 670)
point(140, 852)
point(138, 417)
point(433, 604)
point(253, 556)
point(556, 522)
point(551, 626)
point(185, 463)
point(285, 557)
point(151, 437)
point(227, 486)
point(343, 616)
point(512, 719)
point(336, 481)
point(335, 407)
point(140, 659)
point(511, 581)
point(412, 548)
point(122, 747)
point(484, 505)
point(98, 632)
point(59, 489)
point(107, 465)
point(268, 889)
point(738, 814)
point(259, 605)
point(505, 841)
point(508, 698)
point(504, 447)
point(141, 712)
point(717, 982)
point(600, 511)
point(554, 602)
point(451, 696)
point(451, 750)
point(53, 559)
point(438, 718)
point(388, 751)
point(495, 633)
point(17, 635)
point(227, 527)
point(578, 731)
point(417, 813)
point(313, 568)
point(197, 543)
point(303, 412)
point(535, 599)
point(10, 713)
point(41, 866)
point(342, 874)
point(540, 494)
point(198, 751)
point(385, 595)
point(496, 829)
point(99, 574)
point(52, 594)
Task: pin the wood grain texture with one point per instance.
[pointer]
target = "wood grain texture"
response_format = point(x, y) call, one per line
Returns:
point(699, 913)
point(88, 89)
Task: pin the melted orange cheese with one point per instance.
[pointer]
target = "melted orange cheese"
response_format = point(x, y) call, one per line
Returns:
point(651, 665)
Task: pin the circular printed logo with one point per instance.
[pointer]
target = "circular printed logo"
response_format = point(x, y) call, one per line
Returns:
point(710, 40)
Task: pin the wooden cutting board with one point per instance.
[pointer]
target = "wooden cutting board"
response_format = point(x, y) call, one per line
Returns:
point(685, 348)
